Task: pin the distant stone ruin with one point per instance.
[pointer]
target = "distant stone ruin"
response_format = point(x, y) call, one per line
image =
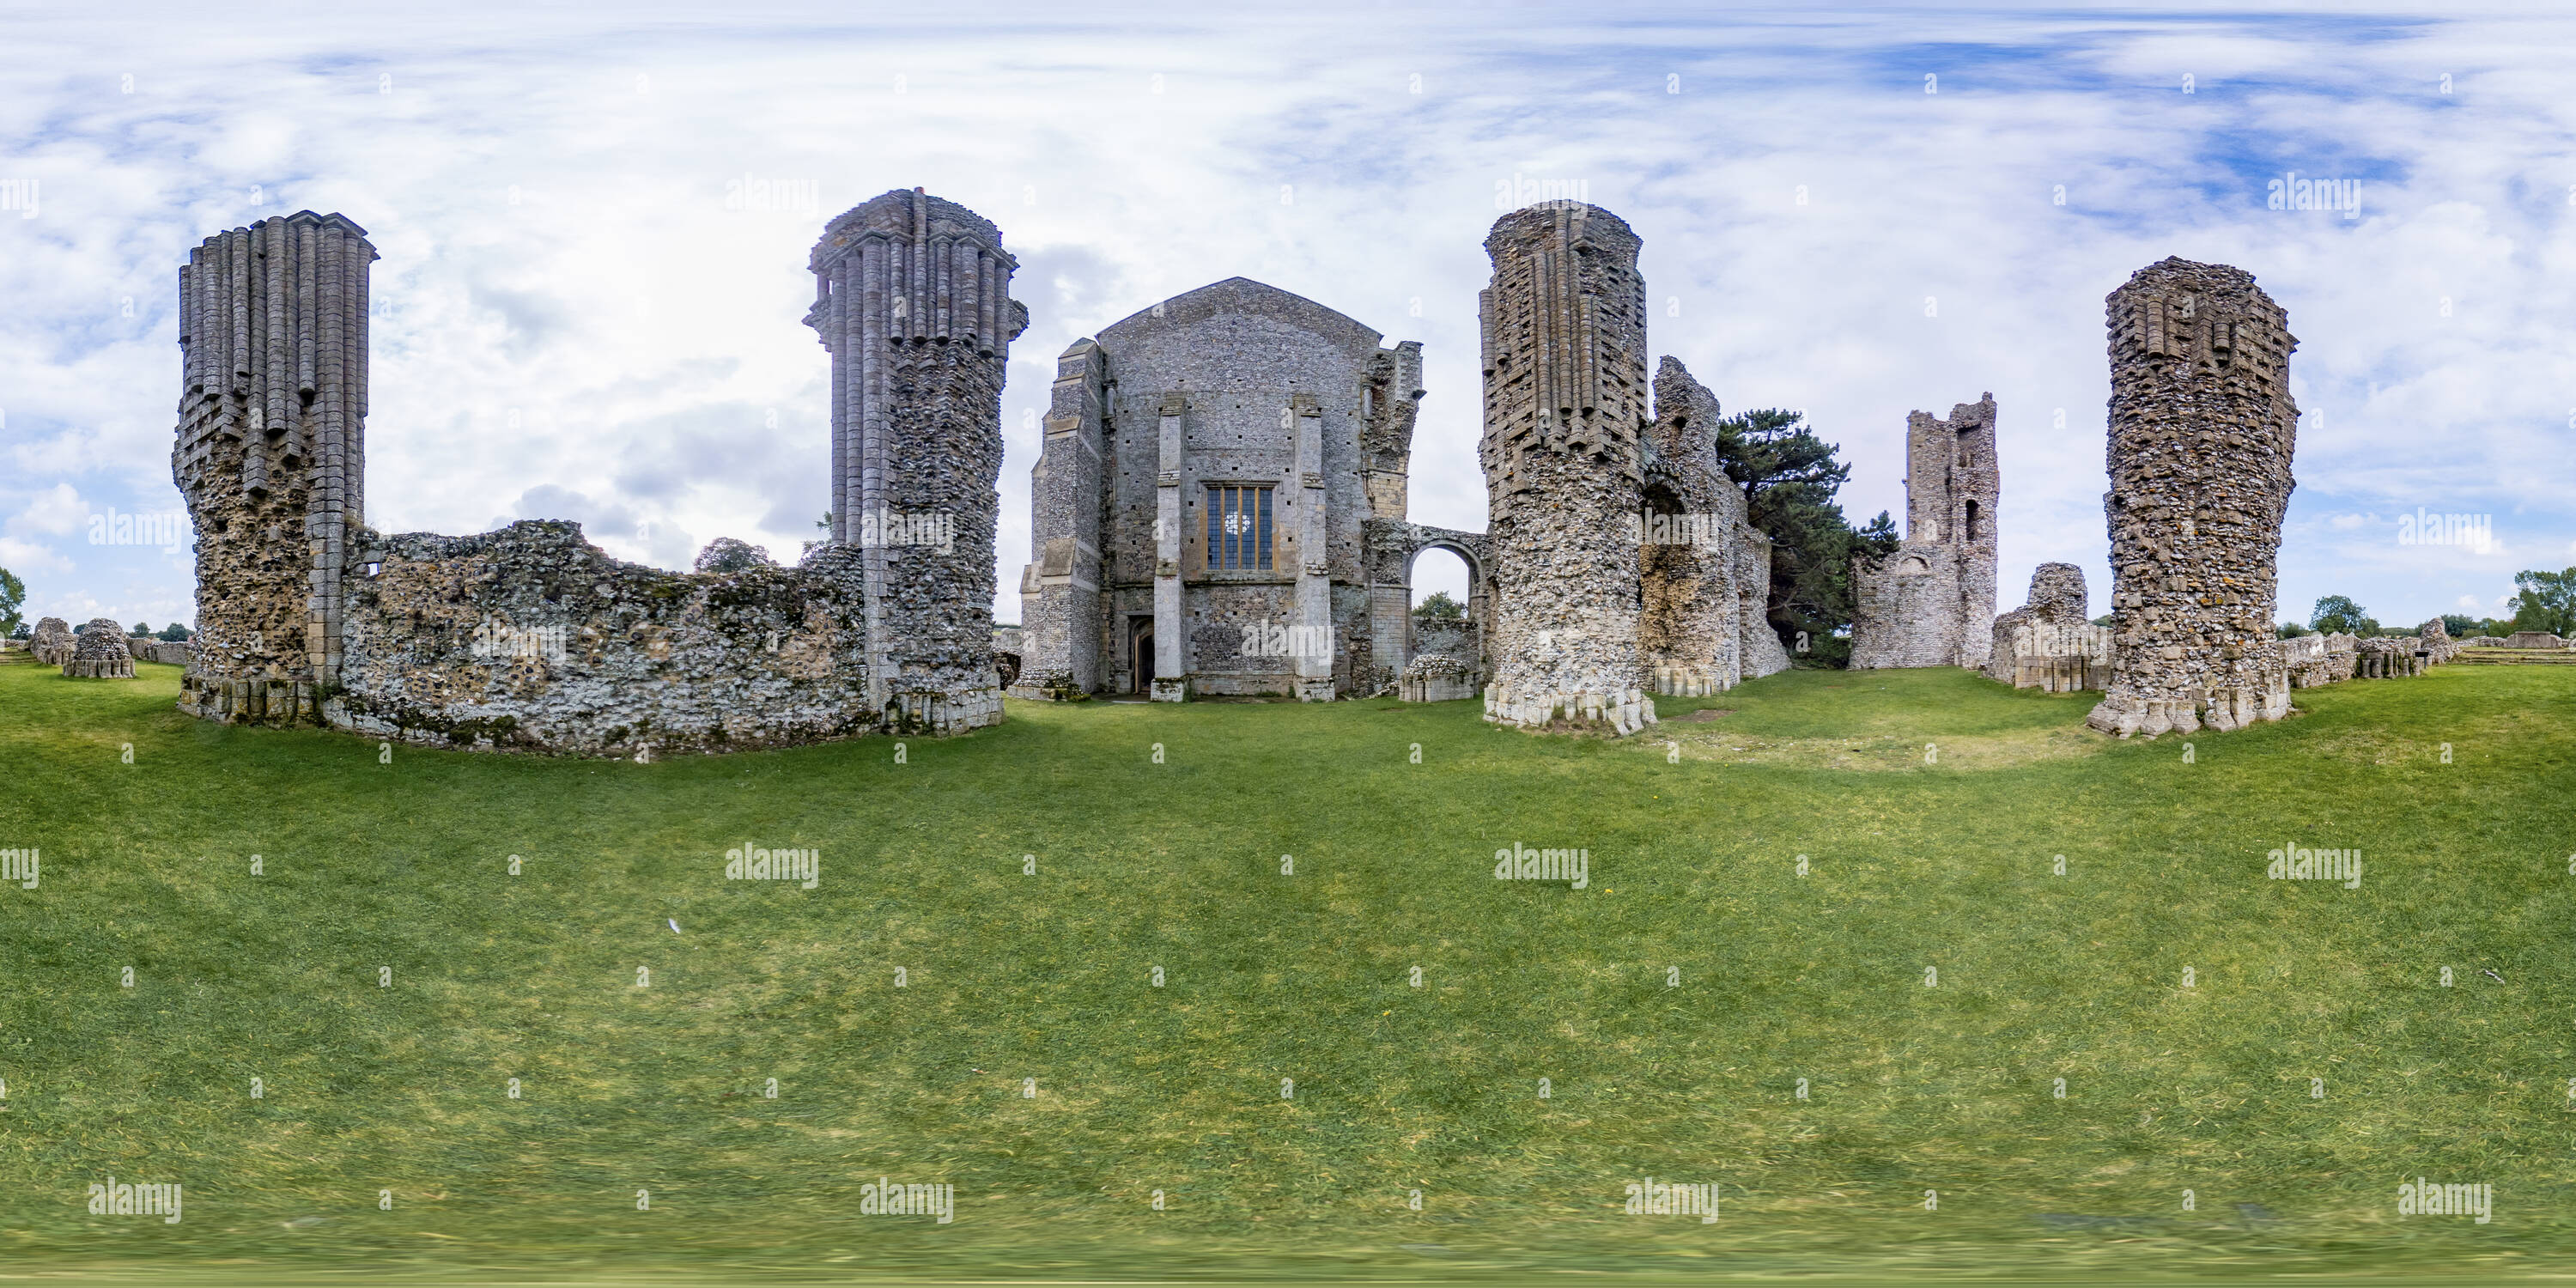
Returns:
point(2051, 643)
point(101, 653)
point(2531, 639)
point(1930, 602)
point(53, 642)
point(530, 637)
point(2202, 429)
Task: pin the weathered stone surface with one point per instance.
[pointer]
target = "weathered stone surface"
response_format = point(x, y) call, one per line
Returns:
point(52, 641)
point(1564, 330)
point(2202, 431)
point(2533, 639)
point(2051, 643)
point(1931, 601)
point(170, 652)
point(101, 653)
point(1704, 570)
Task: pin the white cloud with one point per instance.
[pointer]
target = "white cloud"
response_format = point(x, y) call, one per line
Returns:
point(54, 511)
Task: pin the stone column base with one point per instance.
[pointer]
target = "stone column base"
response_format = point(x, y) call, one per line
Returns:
point(1176, 689)
point(1626, 711)
point(1315, 690)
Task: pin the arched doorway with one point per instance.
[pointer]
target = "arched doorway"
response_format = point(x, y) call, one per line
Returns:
point(1140, 657)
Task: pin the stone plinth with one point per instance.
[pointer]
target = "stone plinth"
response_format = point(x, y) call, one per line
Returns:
point(101, 653)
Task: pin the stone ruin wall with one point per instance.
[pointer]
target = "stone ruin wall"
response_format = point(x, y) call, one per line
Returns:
point(1931, 601)
point(2051, 643)
point(2202, 430)
point(52, 641)
point(1705, 572)
point(530, 638)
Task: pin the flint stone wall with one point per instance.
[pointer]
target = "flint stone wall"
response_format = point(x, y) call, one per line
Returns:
point(531, 638)
point(2202, 430)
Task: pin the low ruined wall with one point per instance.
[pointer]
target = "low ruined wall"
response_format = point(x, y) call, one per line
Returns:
point(2056, 658)
point(532, 638)
point(169, 652)
point(1905, 610)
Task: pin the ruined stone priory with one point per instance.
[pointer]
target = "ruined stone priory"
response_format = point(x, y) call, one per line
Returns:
point(1931, 601)
point(531, 638)
point(2202, 430)
point(1220, 506)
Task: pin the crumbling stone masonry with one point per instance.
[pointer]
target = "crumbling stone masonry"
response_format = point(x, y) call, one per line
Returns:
point(2202, 429)
point(532, 638)
point(101, 653)
point(1564, 338)
point(2314, 660)
point(2051, 642)
point(1704, 570)
point(52, 641)
point(1931, 601)
point(913, 301)
point(270, 457)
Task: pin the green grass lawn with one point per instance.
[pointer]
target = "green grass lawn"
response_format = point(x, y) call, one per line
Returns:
point(1694, 832)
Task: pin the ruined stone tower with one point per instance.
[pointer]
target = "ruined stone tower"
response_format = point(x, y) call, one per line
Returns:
point(270, 456)
point(912, 299)
point(1564, 332)
point(2201, 435)
point(1931, 601)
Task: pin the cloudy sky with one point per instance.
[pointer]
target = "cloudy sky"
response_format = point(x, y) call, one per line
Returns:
point(1856, 213)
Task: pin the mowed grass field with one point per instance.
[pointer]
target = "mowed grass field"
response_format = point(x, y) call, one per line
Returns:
point(1672, 1007)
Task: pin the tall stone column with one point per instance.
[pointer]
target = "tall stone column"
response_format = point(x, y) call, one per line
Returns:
point(913, 303)
point(2201, 436)
point(1171, 629)
point(1314, 569)
point(270, 457)
point(1564, 338)
point(1060, 589)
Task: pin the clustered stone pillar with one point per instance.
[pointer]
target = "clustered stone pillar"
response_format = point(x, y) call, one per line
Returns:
point(1564, 332)
point(270, 457)
point(101, 653)
point(1060, 587)
point(913, 303)
point(2201, 436)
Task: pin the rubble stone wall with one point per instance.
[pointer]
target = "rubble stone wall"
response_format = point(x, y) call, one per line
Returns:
point(2202, 431)
point(2051, 643)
